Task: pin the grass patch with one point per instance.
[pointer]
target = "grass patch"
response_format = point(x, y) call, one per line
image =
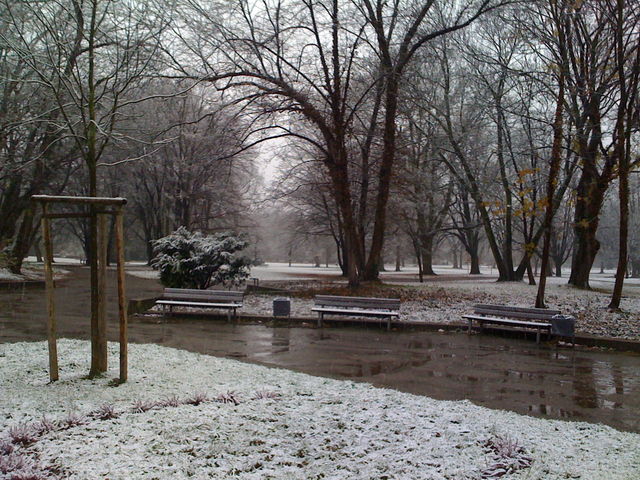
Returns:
point(309, 289)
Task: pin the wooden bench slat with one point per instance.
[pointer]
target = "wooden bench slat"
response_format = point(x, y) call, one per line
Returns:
point(203, 293)
point(199, 304)
point(506, 315)
point(370, 299)
point(189, 297)
point(356, 307)
point(347, 311)
point(531, 316)
point(516, 309)
point(199, 290)
point(178, 296)
point(506, 321)
point(358, 302)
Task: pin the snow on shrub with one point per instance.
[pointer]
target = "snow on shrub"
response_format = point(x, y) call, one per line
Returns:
point(141, 406)
point(15, 466)
point(23, 434)
point(197, 399)
point(10, 463)
point(5, 448)
point(172, 401)
point(44, 426)
point(72, 420)
point(229, 397)
point(192, 260)
point(105, 412)
point(509, 457)
point(266, 394)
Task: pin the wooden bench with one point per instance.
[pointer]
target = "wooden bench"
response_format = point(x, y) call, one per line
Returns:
point(538, 319)
point(187, 297)
point(356, 307)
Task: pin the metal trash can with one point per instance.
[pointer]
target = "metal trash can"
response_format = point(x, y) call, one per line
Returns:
point(563, 325)
point(282, 307)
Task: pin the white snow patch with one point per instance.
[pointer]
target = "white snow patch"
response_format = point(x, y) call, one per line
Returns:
point(30, 272)
point(144, 273)
point(5, 274)
point(318, 428)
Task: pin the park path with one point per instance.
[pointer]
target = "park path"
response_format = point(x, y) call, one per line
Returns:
point(508, 374)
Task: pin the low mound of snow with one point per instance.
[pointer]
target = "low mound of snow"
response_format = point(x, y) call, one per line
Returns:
point(186, 415)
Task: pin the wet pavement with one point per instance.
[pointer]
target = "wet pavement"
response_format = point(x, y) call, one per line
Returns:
point(517, 375)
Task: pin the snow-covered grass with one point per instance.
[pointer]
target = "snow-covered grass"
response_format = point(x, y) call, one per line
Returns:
point(589, 307)
point(29, 272)
point(254, 422)
point(58, 260)
point(144, 273)
point(446, 302)
point(5, 274)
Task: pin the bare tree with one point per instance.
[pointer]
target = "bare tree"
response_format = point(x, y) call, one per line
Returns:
point(332, 66)
point(596, 103)
point(624, 19)
point(558, 15)
point(91, 55)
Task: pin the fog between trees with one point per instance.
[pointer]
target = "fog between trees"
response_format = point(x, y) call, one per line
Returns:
point(402, 130)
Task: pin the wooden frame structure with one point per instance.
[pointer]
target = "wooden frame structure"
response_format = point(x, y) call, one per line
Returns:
point(100, 207)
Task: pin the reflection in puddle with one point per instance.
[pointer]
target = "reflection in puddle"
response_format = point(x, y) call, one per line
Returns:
point(491, 371)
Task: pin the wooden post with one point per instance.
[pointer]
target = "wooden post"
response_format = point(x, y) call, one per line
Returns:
point(122, 305)
point(51, 314)
point(102, 352)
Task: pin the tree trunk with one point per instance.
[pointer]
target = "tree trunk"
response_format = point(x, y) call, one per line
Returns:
point(635, 268)
point(532, 278)
point(426, 252)
point(353, 256)
point(149, 249)
point(557, 261)
point(22, 242)
point(475, 263)
point(588, 205)
point(554, 169)
point(625, 117)
point(384, 176)
point(37, 251)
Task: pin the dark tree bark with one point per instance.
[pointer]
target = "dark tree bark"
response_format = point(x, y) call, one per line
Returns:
point(554, 168)
point(628, 83)
point(590, 197)
point(475, 263)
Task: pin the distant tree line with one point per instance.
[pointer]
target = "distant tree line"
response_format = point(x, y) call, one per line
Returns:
point(483, 124)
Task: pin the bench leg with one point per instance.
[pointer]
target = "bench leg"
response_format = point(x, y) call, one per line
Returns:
point(538, 335)
point(228, 315)
point(469, 329)
point(388, 323)
point(319, 319)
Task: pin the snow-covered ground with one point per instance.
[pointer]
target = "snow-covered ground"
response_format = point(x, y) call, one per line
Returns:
point(409, 275)
point(59, 260)
point(262, 423)
point(29, 272)
point(445, 301)
point(450, 303)
point(5, 274)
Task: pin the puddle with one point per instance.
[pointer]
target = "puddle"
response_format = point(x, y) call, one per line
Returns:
point(593, 386)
